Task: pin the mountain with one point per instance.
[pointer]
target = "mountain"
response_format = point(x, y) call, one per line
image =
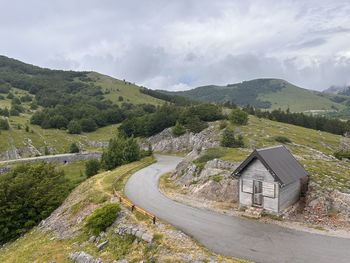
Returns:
point(341, 90)
point(268, 94)
point(42, 102)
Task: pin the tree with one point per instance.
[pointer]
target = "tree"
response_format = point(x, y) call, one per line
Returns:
point(4, 124)
point(239, 117)
point(194, 124)
point(228, 139)
point(121, 150)
point(74, 148)
point(178, 129)
point(29, 194)
point(74, 127)
point(92, 167)
point(88, 125)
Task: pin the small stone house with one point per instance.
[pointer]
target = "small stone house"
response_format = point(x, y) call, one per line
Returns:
point(271, 178)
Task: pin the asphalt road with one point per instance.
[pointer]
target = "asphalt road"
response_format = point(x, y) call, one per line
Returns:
point(232, 236)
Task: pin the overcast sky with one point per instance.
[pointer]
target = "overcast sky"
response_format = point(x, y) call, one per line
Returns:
point(177, 45)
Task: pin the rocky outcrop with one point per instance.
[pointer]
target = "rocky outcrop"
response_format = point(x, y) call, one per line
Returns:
point(136, 231)
point(214, 182)
point(167, 142)
point(82, 257)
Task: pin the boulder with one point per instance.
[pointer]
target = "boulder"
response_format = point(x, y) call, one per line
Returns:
point(82, 257)
point(102, 245)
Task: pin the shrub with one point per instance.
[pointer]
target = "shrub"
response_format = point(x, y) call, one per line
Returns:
point(121, 150)
point(228, 139)
point(223, 124)
point(4, 124)
point(178, 129)
point(342, 155)
point(239, 117)
point(74, 127)
point(216, 178)
point(282, 139)
point(102, 218)
point(74, 148)
point(29, 194)
point(92, 167)
point(88, 125)
point(195, 125)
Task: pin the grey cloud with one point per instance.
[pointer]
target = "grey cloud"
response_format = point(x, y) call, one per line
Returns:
point(183, 44)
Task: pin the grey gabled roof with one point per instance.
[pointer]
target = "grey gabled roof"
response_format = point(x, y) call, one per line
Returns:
point(279, 161)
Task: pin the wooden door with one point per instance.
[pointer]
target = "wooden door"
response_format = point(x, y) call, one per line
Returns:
point(257, 193)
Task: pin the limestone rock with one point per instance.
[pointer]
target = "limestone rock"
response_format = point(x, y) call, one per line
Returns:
point(82, 257)
point(102, 245)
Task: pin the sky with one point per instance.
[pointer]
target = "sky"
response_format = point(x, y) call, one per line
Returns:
point(178, 45)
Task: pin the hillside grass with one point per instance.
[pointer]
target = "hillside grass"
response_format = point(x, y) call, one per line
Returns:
point(38, 246)
point(115, 88)
point(299, 100)
point(58, 140)
point(314, 149)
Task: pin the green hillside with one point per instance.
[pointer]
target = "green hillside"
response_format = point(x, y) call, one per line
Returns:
point(268, 94)
point(64, 96)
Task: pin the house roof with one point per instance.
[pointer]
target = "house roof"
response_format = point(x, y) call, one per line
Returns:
point(279, 161)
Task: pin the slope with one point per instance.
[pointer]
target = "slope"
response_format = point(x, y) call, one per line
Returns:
point(31, 89)
point(267, 94)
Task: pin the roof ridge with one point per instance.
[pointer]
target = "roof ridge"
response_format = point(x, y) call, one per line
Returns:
point(271, 147)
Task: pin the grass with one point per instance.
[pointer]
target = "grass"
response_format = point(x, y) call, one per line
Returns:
point(58, 140)
point(37, 246)
point(115, 88)
point(314, 149)
point(299, 100)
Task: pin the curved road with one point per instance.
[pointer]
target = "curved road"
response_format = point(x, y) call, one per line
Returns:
point(232, 236)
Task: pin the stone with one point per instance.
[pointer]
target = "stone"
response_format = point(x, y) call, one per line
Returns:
point(147, 237)
point(139, 233)
point(82, 257)
point(102, 245)
point(92, 239)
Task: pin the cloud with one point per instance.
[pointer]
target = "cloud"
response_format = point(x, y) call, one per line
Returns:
point(182, 44)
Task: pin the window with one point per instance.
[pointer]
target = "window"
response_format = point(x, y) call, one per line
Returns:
point(247, 186)
point(269, 189)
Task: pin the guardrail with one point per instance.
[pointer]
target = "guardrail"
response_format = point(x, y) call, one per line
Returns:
point(126, 202)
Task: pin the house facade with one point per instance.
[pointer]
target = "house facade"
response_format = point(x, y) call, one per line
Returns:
point(271, 178)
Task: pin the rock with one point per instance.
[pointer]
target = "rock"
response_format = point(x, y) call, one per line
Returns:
point(139, 233)
point(147, 237)
point(167, 142)
point(92, 239)
point(102, 245)
point(82, 257)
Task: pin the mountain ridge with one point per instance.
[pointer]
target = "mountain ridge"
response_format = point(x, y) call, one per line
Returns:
point(266, 93)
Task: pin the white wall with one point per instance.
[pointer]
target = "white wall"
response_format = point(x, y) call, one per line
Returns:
point(257, 171)
point(289, 194)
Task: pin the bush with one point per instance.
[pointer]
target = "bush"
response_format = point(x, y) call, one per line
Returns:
point(229, 140)
point(342, 155)
point(4, 124)
point(92, 167)
point(29, 194)
point(88, 125)
point(74, 127)
point(239, 117)
point(178, 129)
point(195, 125)
point(102, 218)
point(282, 139)
point(223, 124)
point(74, 148)
point(121, 150)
